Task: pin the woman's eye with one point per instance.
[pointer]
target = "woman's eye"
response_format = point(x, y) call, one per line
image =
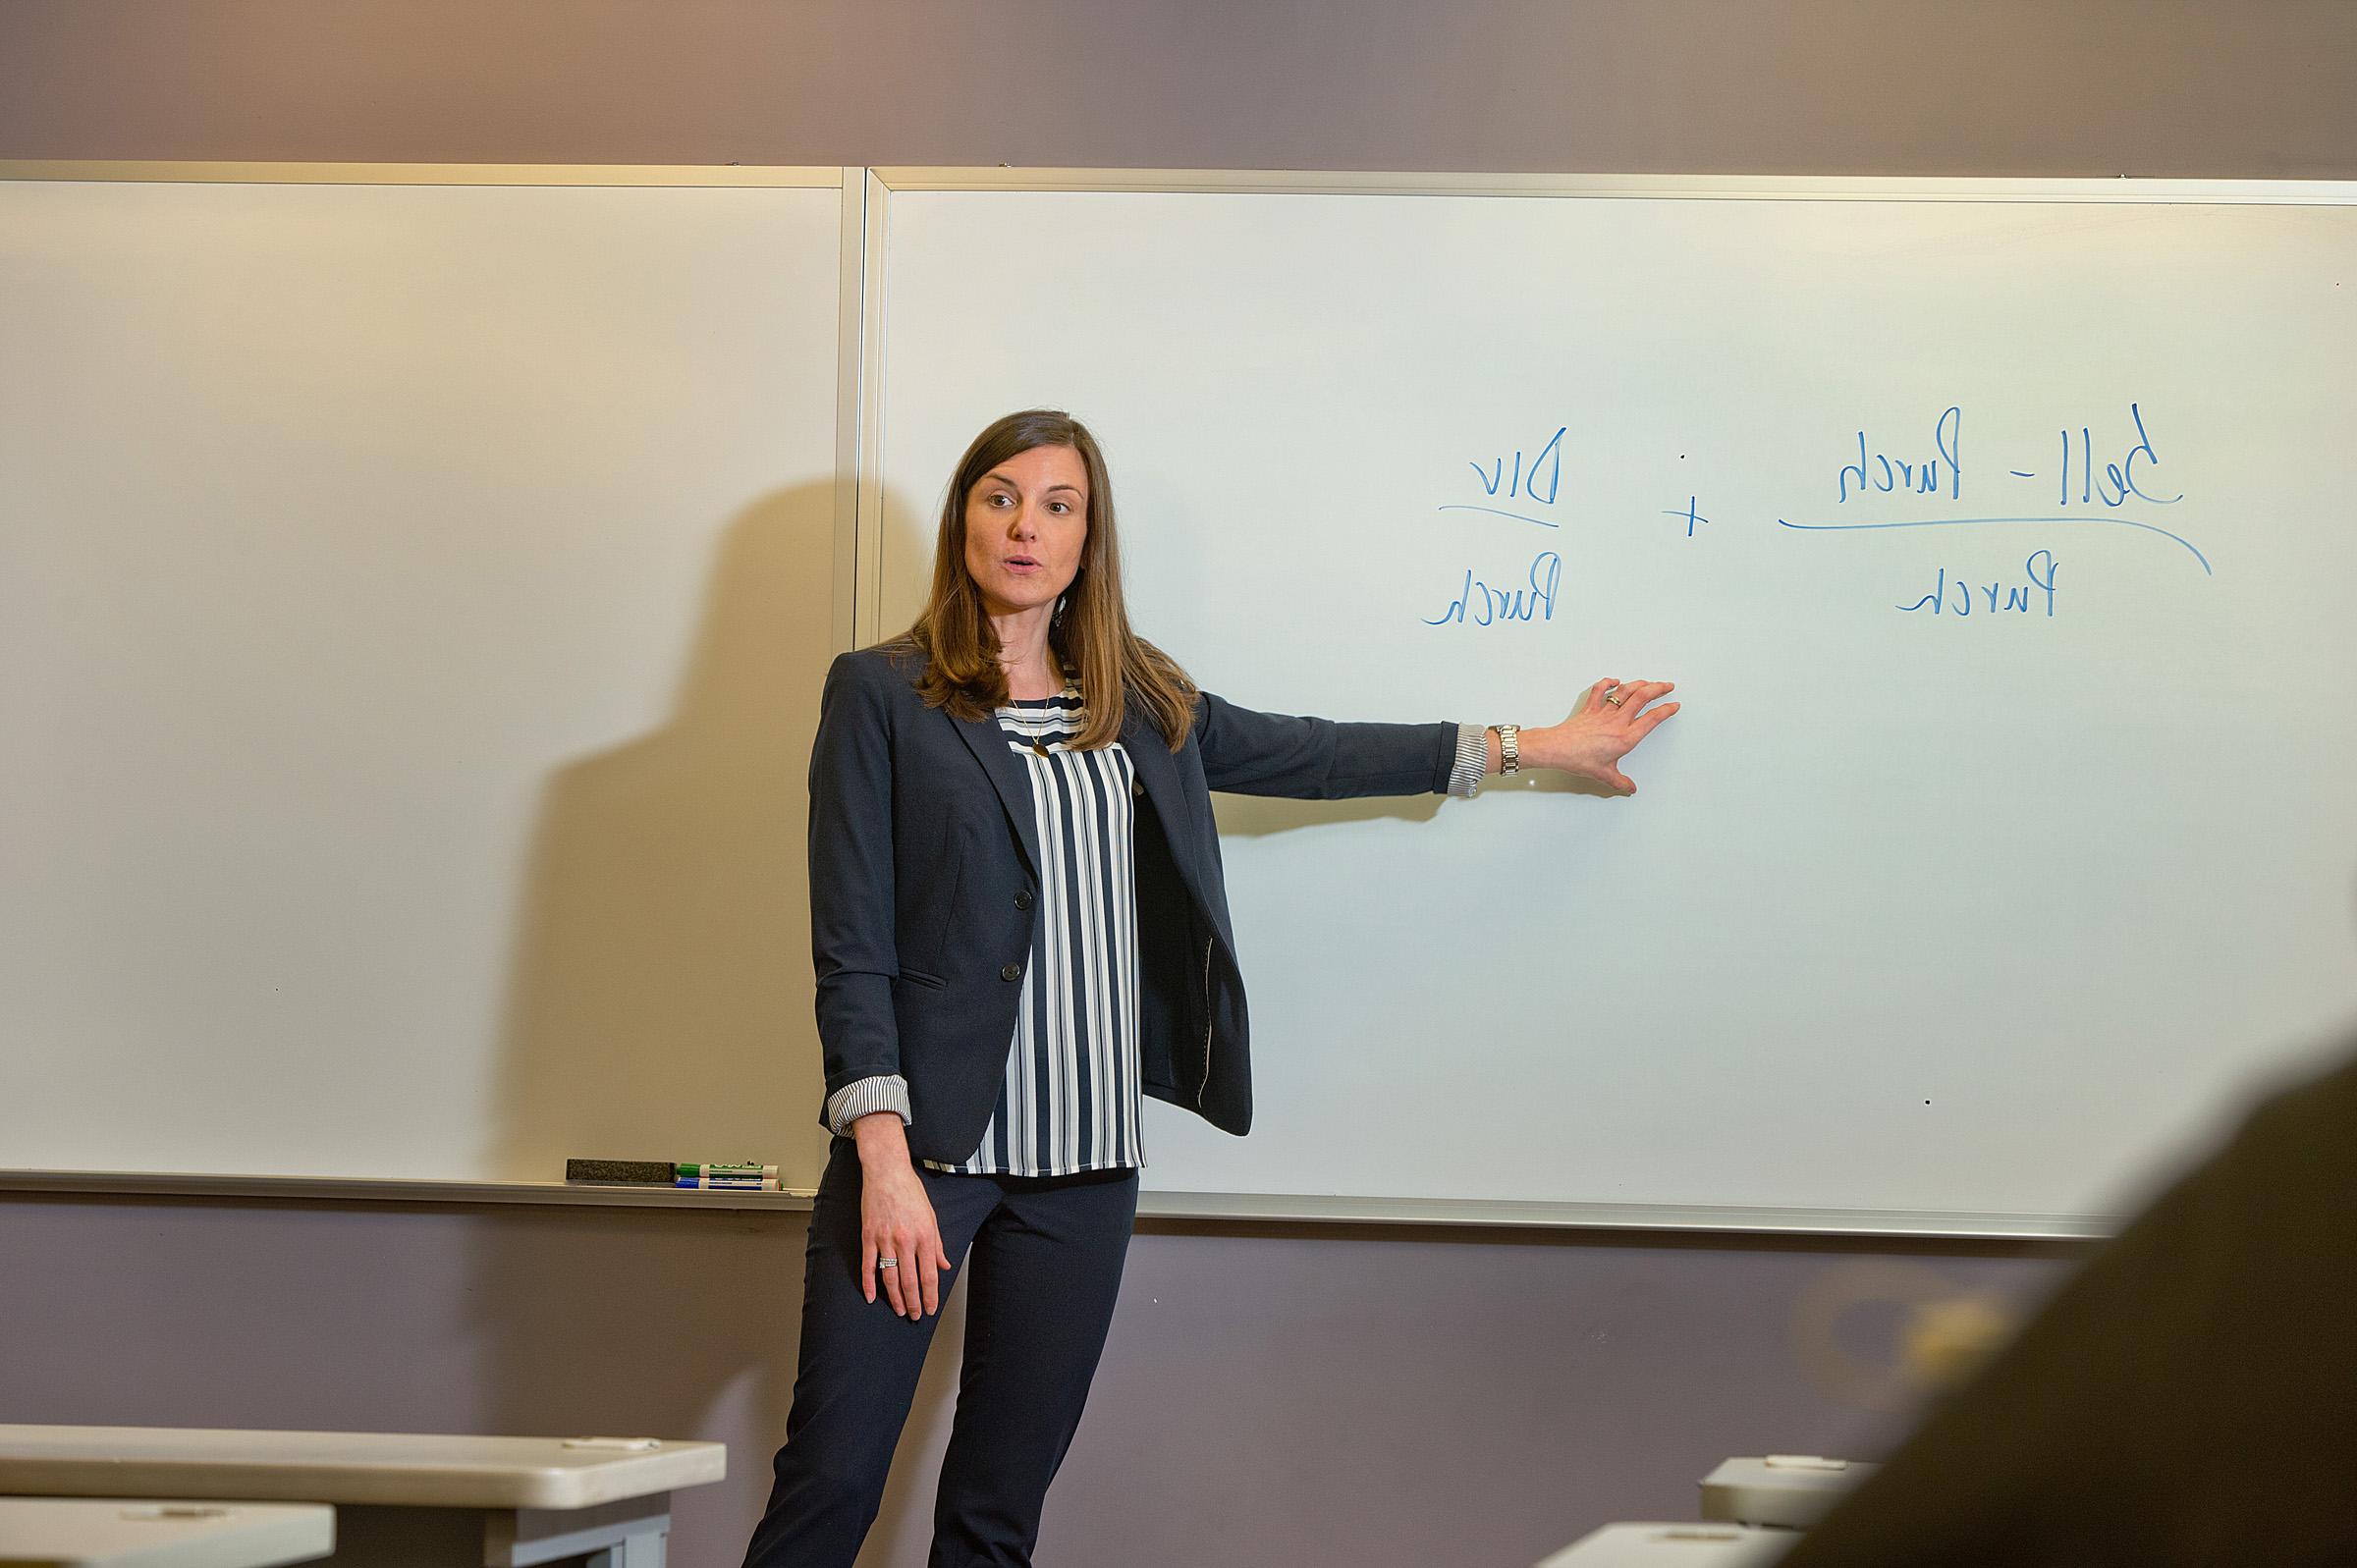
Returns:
point(1059, 508)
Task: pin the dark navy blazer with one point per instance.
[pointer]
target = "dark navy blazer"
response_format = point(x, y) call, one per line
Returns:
point(924, 879)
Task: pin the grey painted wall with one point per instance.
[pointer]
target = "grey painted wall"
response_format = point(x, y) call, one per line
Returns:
point(1927, 87)
point(1280, 1396)
point(1271, 1395)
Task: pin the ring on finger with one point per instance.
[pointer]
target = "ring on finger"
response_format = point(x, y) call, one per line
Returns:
point(1613, 698)
point(887, 1263)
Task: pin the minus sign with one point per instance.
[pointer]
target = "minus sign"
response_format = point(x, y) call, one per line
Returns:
point(2023, 474)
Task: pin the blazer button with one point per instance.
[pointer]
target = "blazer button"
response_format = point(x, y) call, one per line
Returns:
point(1023, 900)
point(1012, 971)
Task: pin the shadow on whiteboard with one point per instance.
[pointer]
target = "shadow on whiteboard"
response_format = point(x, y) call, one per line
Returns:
point(658, 997)
point(1258, 816)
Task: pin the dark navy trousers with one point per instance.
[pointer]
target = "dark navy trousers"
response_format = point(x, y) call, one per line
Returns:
point(1044, 1255)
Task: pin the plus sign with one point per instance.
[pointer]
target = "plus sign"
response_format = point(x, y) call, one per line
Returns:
point(1690, 515)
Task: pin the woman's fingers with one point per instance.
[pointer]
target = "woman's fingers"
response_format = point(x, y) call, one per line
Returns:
point(908, 1250)
point(909, 1270)
point(1651, 717)
point(900, 1243)
point(1613, 718)
point(1612, 696)
point(912, 1281)
point(930, 1270)
point(891, 1264)
point(933, 1262)
point(1634, 696)
point(883, 1260)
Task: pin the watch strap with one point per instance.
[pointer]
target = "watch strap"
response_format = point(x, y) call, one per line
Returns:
point(1509, 749)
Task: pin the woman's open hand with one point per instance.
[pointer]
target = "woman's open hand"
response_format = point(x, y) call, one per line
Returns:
point(900, 1241)
point(1612, 718)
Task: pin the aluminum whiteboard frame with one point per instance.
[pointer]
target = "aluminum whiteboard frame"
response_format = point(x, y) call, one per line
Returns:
point(1245, 1209)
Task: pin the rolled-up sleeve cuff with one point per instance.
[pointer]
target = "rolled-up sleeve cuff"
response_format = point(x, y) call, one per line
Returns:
point(866, 1097)
point(1472, 761)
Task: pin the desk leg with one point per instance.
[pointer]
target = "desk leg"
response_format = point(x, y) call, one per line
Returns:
point(629, 1534)
point(635, 1552)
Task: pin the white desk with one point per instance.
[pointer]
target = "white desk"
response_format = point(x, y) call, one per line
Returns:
point(119, 1533)
point(1660, 1545)
point(401, 1497)
point(1793, 1490)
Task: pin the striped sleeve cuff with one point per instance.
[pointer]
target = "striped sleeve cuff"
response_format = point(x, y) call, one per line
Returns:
point(865, 1097)
point(1472, 759)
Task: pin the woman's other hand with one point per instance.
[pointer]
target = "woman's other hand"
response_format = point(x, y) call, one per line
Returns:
point(896, 1222)
point(1606, 726)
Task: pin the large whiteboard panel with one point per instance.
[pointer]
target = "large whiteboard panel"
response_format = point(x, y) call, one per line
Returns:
point(413, 601)
point(1990, 855)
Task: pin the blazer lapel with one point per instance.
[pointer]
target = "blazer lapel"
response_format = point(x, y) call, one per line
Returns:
point(1157, 772)
point(1008, 776)
point(1157, 775)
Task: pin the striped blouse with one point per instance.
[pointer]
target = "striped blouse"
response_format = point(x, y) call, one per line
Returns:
point(1070, 1099)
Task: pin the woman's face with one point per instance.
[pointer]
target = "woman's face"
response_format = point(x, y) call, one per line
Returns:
point(1025, 522)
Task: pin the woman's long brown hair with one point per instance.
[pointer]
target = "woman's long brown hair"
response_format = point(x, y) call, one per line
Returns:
point(1090, 635)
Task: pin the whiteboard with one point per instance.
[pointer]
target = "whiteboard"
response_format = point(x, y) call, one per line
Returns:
point(415, 588)
point(1994, 534)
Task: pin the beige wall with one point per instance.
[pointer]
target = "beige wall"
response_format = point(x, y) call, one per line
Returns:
point(1932, 86)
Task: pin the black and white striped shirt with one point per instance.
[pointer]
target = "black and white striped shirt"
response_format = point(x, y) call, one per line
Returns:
point(1070, 1099)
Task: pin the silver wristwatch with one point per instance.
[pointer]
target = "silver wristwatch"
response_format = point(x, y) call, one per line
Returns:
point(1508, 756)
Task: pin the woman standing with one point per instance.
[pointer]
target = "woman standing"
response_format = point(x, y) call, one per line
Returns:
point(1021, 930)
